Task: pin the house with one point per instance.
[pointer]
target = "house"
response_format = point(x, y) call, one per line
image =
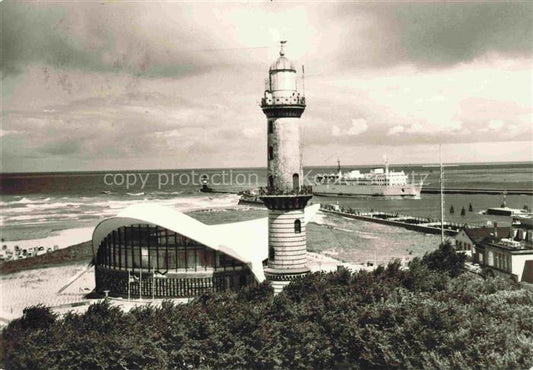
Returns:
point(468, 238)
point(502, 251)
point(509, 258)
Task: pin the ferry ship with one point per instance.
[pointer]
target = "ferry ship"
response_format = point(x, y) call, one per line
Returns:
point(377, 182)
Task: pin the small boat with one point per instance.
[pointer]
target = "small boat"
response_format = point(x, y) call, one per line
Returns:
point(250, 197)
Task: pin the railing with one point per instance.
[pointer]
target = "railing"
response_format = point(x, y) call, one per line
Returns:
point(297, 100)
point(302, 190)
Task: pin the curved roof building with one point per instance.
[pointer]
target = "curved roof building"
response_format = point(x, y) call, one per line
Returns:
point(152, 251)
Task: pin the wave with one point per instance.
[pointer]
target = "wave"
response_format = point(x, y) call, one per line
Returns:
point(43, 217)
point(166, 193)
point(136, 194)
point(55, 205)
point(25, 201)
point(99, 207)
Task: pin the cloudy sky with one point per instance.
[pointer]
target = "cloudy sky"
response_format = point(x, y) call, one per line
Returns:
point(96, 86)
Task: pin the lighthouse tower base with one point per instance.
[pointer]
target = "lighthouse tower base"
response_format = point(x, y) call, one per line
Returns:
point(279, 279)
point(287, 252)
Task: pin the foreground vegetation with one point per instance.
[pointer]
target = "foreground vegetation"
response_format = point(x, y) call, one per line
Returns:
point(429, 316)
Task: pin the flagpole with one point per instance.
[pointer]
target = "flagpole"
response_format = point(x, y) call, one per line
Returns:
point(441, 197)
point(129, 284)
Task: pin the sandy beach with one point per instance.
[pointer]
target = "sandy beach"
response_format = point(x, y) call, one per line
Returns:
point(42, 286)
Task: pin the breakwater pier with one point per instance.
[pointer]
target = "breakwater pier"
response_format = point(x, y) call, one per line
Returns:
point(420, 224)
point(437, 190)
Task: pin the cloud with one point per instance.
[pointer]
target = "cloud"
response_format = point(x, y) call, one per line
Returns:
point(358, 127)
point(176, 84)
point(138, 39)
point(431, 34)
point(181, 39)
point(398, 129)
point(496, 125)
point(251, 132)
point(5, 132)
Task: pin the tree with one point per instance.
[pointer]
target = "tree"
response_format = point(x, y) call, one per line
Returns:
point(445, 259)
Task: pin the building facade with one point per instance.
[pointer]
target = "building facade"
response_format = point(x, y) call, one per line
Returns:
point(146, 260)
point(509, 259)
point(285, 196)
point(150, 251)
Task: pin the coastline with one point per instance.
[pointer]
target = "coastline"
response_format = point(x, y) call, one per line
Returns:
point(336, 242)
point(58, 240)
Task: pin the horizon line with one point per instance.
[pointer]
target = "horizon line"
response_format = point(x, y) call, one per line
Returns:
point(264, 167)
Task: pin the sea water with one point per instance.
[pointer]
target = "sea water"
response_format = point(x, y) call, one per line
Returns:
point(39, 206)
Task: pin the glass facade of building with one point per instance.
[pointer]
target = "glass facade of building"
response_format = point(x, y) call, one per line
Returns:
point(151, 260)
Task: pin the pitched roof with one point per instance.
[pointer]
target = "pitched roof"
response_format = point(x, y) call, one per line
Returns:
point(479, 233)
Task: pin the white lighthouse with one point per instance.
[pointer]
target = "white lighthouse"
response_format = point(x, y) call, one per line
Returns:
point(286, 196)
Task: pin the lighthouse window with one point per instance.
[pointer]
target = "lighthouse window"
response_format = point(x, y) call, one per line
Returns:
point(271, 253)
point(270, 127)
point(295, 182)
point(297, 227)
point(270, 182)
point(270, 153)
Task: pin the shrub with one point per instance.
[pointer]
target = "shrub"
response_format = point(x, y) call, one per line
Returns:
point(427, 316)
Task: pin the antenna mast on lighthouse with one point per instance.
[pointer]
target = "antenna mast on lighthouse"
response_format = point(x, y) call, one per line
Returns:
point(303, 80)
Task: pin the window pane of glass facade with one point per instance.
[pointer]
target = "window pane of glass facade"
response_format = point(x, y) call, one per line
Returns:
point(132, 247)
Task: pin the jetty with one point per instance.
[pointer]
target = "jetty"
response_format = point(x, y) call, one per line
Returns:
point(437, 190)
point(421, 224)
point(217, 191)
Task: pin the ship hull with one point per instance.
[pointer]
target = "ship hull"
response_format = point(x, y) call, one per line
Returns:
point(409, 190)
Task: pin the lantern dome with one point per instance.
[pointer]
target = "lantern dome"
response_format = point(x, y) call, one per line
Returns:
point(282, 64)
